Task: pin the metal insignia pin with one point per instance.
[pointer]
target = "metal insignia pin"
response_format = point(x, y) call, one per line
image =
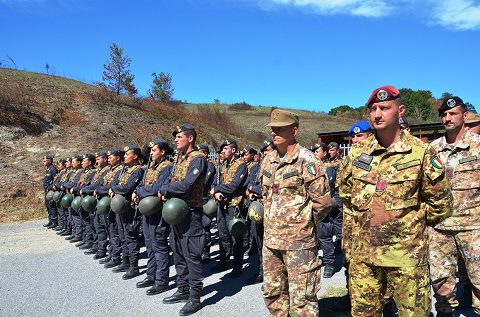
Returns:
point(451, 103)
point(382, 95)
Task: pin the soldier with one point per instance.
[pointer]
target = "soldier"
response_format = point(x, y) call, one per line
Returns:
point(187, 238)
point(83, 220)
point(155, 229)
point(334, 155)
point(295, 197)
point(63, 214)
point(112, 219)
point(393, 184)
point(209, 179)
point(67, 186)
point(59, 210)
point(124, 185)
point(459, 234)
point(321, 152)
point(252, 174)
point(67, 233)
point(229, 193)
point(473, 123)
point(359, 131)
point(97, 221)
point(50, 173)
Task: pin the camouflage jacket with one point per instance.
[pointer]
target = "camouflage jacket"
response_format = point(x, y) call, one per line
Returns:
point(462, 163)
point(392, 194)
point(290, 187)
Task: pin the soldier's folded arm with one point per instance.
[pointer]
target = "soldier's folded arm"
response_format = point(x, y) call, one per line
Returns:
point(195, 170)
point(237, 181)
point(436, 191)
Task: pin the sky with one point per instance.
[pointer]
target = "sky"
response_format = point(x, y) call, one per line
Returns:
point(301, 54)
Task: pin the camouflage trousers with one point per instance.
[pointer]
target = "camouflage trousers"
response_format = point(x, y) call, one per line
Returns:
point(370, 284)
point(291, 280)
point(445, 246)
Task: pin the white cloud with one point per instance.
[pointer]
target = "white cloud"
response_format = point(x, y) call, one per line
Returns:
point(365, 8)
point(459, 15)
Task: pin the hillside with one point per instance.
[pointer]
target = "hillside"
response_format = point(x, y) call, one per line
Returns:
point(42, 114)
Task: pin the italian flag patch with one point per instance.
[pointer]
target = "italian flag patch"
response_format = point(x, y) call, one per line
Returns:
point(437, 162)
point(312, 169)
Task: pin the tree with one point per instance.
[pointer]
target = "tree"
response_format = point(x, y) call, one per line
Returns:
point(161, 87)
point(419, 104)
point(117, 76)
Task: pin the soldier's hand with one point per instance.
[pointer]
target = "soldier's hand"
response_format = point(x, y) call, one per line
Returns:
point(212, 193)
point(219, 196)
point(135, 198)
point(71, 191)
point(110, 192)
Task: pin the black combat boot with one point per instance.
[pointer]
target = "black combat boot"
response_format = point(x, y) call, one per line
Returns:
point(177, 297)
point(122, 267)
point(112, 263)
point(132, 272)
point(190, 307)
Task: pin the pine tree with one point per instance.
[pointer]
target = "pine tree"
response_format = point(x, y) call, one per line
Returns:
point(117, 76)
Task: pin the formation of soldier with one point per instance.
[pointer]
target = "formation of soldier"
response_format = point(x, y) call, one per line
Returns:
point(404, 213)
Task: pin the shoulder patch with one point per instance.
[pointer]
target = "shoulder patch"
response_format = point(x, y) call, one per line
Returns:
point(195, 171)
point(267, 173)
point(345, 161)
point(468, 159)
point(437, 162)
point(312, 169)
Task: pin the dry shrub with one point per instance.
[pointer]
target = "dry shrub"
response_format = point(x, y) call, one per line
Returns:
point(71, 118)
point(102, 94)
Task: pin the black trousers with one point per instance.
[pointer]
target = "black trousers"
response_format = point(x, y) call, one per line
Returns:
point(229, 245)
point(155, 232)
point(131, 221)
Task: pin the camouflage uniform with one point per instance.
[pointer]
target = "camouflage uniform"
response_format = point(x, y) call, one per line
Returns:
point(384, 189)
point(291, 186)
point(460, 233)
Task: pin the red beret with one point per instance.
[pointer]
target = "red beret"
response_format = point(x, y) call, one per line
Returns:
point(383, 93)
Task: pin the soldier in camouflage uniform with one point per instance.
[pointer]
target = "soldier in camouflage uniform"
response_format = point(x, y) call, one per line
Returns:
point(393, 184)
point(459, 234)
point(295, 197)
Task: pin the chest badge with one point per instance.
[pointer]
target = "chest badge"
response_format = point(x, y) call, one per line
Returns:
point(381, 186)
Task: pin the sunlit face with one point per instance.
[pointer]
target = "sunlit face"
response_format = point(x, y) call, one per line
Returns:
point(157, 153)
point(454, 119)
point(320, 154)
point(228, 152)
point(86, 163)
point(46, 163)
point(284, 135)
point(333, 151)
point(130, 157)
point(357, 137)
point(76, 163)
point(247, 157)
point(385, 114)
point(474, 127)
point(182, 141)
point(113, 160)
point(101, 161)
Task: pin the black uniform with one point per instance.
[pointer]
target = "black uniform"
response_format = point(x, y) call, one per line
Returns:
point(48, 178)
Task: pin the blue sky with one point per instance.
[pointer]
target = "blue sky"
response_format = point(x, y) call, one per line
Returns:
point(309, 54)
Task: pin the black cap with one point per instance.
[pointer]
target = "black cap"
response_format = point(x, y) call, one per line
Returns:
point(77, 158)
point(131, 147)
point(203, 146)
point(63, 161)
point(333, 144)
point(160, 142)
point(182, 128)
point(450, 103)
point(48, 157)
point(266, 143)
point(90, 157)
point(250, 149)
point(68, 159)
point(229, 141)
point(116, 152)
point(101, 154)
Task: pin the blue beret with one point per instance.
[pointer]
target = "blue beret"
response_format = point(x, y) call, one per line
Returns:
point(360, 126)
